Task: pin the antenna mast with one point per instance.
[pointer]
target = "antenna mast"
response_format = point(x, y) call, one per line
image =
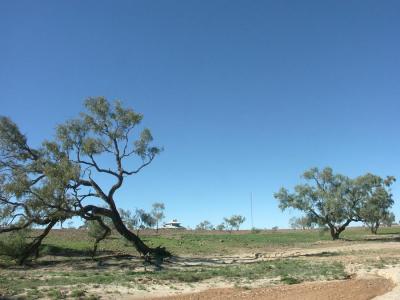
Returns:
point(251, 209)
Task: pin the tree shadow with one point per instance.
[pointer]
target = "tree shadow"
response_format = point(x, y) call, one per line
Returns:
point(376, 238)
point(63, 251)
point(79, 261)
point(322, 254)
point(388, 233)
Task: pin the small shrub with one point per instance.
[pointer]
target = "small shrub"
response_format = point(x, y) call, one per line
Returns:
point(221, 227)
point(56, 294)
point(14, 244)
point(34, 294)
point(78, 293)
point(290, 280)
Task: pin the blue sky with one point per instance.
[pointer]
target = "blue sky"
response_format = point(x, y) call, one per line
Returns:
point(243, 95)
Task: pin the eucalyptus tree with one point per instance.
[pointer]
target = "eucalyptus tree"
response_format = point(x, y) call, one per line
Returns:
point(234, 222)
point(65, 177)
point(158, 212)
point(144, 220)
point(376, 209)
point(220, 227)
point(130, 219)
point(301, 223)
point(389, 219)
point(33, 186)
point(205, 225)
point(332, 200)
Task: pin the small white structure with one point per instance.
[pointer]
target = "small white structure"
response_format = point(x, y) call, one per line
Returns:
point(174, 224)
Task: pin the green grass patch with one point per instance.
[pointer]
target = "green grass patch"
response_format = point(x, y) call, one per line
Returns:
point(289, 270)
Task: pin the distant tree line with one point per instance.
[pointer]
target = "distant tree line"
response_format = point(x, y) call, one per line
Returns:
point(231, 223)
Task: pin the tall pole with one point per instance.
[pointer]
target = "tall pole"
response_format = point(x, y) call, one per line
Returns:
point(251, 209)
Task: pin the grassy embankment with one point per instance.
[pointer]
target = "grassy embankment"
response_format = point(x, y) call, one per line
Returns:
point(207, 243)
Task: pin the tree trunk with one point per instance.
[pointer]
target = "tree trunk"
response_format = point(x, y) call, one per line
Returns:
point(107, 231)
point(113, 214)
point(374, 227)
point(336, 231)
point(141, 247)
point(33, 247)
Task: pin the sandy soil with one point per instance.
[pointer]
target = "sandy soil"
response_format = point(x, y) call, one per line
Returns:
point(381, 283)
point(392, 274)
point(354, 289)
point(367, 281)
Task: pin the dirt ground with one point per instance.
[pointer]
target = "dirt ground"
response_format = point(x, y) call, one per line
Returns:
point(380, 282)
point(354, 289)
point(373, 266)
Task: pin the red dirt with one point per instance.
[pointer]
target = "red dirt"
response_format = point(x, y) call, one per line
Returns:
point(354, 289)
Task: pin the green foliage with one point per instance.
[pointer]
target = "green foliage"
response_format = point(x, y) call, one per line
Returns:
point(158, 212)
point(319, 197)
point(333, 200)
point(12, 140)
point(14, 244)
point(77, 293)
point(290, 280)
point(146, 220)
point(376, 208)
point(234, 221)
point(57, 181)
point(130, 220)
point(205, 225)
point(220, 227)
point(101, 126)
point(98, 230)
point(95, 230)
point(389, 219)
point(303, 222)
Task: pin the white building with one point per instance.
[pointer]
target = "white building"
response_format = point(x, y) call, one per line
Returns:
point(174, 224)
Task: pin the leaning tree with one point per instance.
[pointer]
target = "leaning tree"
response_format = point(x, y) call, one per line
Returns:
point(65, 177)
point(333, 200)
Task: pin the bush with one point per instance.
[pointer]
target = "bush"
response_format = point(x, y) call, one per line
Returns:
point(97, 230)
point(78, 293)
point(221, 227)
point(14, 244)
point(205, 225)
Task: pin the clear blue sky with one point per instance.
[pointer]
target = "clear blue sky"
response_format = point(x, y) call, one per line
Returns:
point(243, 95)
